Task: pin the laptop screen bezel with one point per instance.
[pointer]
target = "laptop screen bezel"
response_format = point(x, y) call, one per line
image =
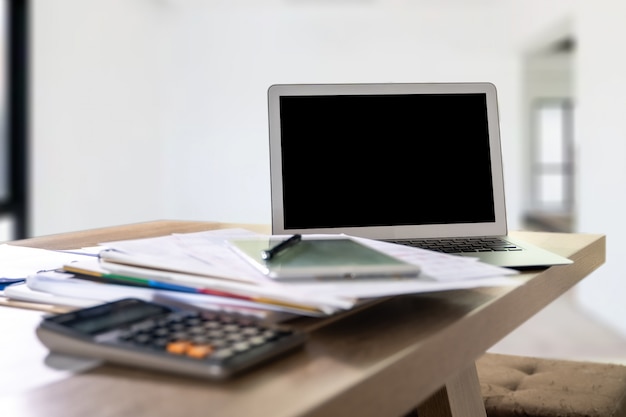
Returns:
point(495, 228)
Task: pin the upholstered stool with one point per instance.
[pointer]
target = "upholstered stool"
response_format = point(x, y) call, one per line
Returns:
point(534, 387)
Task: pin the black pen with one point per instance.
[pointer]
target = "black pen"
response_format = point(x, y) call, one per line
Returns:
point(268, 254)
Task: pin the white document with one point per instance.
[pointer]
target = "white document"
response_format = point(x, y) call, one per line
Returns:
point(203, 253)
point(20, 262)
point(439, 271)
point(67, 290)
point(271, 290)
point(375, 288)
point(211, 255)
point(23, 292)
point(206, 259)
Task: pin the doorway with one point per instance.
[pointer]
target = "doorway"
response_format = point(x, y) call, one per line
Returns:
point(549, 113)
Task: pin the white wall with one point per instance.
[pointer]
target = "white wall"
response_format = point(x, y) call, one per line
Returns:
point(157, 108)
point(601, 129)
point(97, 142)
point(229, 57)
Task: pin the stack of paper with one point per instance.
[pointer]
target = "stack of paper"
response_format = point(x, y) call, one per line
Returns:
point(202, 269)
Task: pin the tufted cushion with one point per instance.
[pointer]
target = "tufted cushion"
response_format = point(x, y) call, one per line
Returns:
point(534, 387)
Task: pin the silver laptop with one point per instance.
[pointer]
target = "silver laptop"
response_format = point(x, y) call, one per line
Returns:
point(417, 164)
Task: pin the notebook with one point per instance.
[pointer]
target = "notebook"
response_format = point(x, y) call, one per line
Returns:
point(397, 162)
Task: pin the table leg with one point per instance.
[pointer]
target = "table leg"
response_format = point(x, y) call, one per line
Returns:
point(459, 397)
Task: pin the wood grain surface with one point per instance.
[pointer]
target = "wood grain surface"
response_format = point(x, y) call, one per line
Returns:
point(383, 360)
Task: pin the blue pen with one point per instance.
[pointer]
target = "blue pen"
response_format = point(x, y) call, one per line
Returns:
point(5, 282)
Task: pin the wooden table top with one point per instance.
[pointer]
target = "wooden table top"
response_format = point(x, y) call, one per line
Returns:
point(380, 361)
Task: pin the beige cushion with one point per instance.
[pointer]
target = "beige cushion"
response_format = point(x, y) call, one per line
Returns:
point(527, 386)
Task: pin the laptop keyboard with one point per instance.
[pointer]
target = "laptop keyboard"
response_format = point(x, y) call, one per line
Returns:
point(461, 245)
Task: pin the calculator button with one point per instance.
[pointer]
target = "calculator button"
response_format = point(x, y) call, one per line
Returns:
point(199, 351)
point(161, 331)
point(257, 340)
point(250, 331)
point(223, 354)
point(196, 330)
point(142, 338)
point(193, 321)
point(142, 327)
point(219, 343)
point(270, 334)
point(216, 334)
point(235, 337)
point(241, 346)
point(178, 336)
point(231, 328)
point(178, 348)
point(160, 343)
point(200, 340)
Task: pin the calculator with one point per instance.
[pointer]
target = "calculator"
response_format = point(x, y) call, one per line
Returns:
point(130, 331)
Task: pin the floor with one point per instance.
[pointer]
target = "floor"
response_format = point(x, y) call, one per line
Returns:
point(565, 331)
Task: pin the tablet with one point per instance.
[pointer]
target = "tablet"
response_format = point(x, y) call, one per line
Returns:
point(322, 258)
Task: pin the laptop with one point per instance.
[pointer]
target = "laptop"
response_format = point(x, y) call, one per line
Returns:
point(416, 164)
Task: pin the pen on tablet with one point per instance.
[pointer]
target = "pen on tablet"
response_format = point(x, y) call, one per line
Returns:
point(268, 254)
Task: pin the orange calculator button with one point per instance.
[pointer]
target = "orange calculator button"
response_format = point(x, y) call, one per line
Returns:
point(199, 351)
point(178, 347)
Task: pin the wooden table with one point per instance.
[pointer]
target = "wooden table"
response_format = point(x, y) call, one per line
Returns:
point(381, 361)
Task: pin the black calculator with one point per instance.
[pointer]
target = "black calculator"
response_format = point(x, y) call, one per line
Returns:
point(135, 332)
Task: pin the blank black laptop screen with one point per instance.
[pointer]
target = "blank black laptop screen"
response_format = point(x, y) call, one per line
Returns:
point(382, 160)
